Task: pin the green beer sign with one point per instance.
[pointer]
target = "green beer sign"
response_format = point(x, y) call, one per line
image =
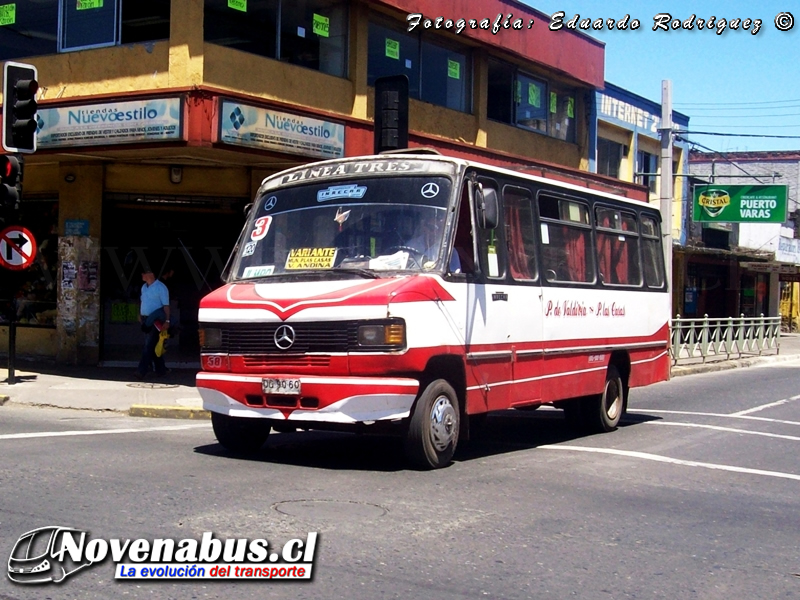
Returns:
point(722, 203)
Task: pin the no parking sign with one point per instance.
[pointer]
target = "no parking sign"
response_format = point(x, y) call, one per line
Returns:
point(17, 248)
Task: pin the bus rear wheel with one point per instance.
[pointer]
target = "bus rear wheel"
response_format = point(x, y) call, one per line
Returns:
point(433, 429)
point(602, 413)
point(242, 435)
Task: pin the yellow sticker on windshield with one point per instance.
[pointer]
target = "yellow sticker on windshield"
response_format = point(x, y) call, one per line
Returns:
point(311, 258)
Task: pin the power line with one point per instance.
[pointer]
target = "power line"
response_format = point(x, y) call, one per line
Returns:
point(735, 103)
point(753, 135)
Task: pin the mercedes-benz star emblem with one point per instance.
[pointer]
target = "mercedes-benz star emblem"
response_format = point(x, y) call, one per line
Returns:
point(270, 203)
point(429, 190)
point(284, 337)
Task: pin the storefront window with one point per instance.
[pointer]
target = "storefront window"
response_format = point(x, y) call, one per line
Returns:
point(29, 295)
point(28, 29)
point(313, 33)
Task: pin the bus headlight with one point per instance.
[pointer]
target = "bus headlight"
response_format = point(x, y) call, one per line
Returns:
point(382, 335)
point(210, 338)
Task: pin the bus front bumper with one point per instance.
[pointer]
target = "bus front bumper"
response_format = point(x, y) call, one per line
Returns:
point(337, 399)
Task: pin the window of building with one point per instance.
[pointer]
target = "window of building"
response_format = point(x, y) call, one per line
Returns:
point(313, 33)
point(437, 73)
point(566, 240)
point(609, 157)
point(99, 23)
point(522, 100)
point(28, 29)
point(647, 167)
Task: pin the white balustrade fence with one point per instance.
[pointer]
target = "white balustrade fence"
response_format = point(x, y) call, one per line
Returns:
point(702, 340)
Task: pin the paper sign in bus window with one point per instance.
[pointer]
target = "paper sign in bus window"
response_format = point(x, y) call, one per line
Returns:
point(261, 271)
point(310, 258)
point(261, 228)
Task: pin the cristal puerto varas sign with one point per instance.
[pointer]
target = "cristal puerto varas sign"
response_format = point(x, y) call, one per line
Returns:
point(740, 203)
point(244, 125)
point(130, 122)
point(51, 554)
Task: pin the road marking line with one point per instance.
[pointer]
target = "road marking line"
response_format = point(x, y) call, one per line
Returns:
point(705, 414)
point(674, 461)
point(727, 429)
point(43, 434)
point(763, 406)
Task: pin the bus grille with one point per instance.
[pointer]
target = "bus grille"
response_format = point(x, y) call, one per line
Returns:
point(259, 338)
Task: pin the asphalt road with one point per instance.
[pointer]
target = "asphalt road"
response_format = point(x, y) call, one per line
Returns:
point(697, 495)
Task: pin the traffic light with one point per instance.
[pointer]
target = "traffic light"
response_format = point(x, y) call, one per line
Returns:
point(9, 174)
point(19, 107)
point(391, 113)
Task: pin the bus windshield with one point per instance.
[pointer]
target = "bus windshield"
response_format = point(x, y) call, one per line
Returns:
point(369, 225)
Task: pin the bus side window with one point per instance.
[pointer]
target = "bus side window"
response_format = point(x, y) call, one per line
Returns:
point(566, 240)
point(463, 257)
point(520, 233)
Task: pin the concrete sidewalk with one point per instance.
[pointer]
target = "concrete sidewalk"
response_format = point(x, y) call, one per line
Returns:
point(115, 389)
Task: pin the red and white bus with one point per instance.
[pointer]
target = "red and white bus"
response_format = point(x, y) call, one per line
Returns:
point(410, 292)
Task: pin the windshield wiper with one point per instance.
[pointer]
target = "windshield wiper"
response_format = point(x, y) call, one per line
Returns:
point(366, 273)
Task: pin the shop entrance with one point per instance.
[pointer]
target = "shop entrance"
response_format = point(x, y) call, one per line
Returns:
point(186, 242)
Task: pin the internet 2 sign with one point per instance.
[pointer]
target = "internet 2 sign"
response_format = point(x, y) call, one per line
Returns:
point(244, 125)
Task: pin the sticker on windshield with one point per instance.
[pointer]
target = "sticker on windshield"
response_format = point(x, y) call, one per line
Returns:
point(311, 258)
point(261, 271)
point(249, 249)
point(335, 192)
point(260, 229)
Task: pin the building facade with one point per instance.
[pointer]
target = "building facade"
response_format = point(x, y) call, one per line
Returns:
point(159, 119)
point(748, 268)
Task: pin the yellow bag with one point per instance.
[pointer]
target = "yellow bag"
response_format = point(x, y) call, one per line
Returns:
point(161, 345)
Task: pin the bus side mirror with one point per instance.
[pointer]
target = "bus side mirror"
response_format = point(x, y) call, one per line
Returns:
point(247, 209)
point(486, 200)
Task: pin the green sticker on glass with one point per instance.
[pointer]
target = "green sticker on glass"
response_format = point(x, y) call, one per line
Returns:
point(534, 95)
point(392, 49)
point(8, 14)
point(89, 4)
point(571, 108)
point(553, 102)
point(321, 25)
point(240, 5)
point(453, 69)
point(518, 92)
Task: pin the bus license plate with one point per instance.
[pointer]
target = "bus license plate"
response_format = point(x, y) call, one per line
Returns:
point(285, 386)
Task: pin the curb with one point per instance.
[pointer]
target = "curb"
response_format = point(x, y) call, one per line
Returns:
point(167, 412)
point(727, 365)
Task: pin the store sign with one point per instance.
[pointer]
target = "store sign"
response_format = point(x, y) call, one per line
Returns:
point(244, 125)
point(623, 113)
point(769, 267)
point(740, 203)
point(788, 250)
point(112, 123)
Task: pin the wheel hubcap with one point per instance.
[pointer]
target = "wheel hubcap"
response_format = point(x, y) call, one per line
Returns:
point(613, 400)
point(443, 423)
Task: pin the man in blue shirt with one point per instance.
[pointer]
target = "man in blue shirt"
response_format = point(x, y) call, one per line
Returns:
point(154, 315)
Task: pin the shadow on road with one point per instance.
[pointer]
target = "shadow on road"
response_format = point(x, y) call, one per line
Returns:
point(501, 432)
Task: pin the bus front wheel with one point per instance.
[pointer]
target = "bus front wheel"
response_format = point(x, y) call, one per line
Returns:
point(239, 434)
point(433, 429)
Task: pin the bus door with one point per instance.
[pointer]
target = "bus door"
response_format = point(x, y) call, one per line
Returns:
point(489, 320)
point(524, 295)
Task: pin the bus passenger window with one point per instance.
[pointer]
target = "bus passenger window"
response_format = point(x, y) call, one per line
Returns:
point(520, 234)
point(566, 235)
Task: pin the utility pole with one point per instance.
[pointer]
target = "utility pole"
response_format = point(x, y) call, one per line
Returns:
point(666, 176)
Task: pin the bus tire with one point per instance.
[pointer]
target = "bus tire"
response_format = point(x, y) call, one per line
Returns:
point(603, 412)
point(241, 435)
point(433, 429)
